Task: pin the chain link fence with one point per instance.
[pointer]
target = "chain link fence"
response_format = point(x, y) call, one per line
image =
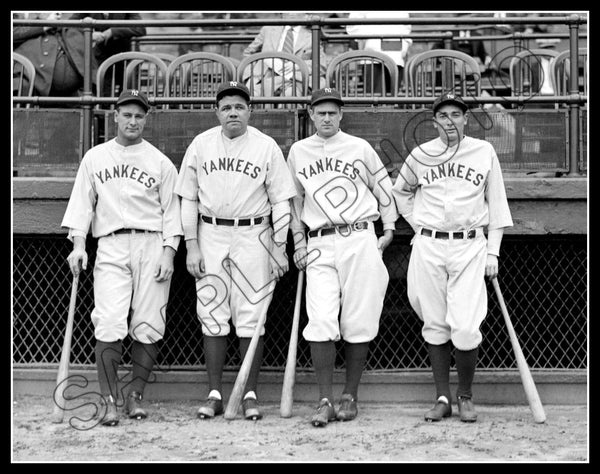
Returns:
point(543, 280)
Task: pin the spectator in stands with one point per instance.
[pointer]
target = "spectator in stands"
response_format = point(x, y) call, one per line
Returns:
point(272, 38)
point(108, 41)
point(396, 48)
point(56, 53)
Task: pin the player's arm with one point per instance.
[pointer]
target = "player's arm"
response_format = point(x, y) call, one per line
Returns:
point(194, 260)
point(403, 192)
point(281, 223)
point(296, 225)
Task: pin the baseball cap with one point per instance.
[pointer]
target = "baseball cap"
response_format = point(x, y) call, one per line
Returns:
point(449, 98)
point(133, 95)
point(327, 93)
point(227, 88)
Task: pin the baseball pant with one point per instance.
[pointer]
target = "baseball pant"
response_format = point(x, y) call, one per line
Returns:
point(238, 284)
point(347, 273)
point(446, 288)
point(123, 279)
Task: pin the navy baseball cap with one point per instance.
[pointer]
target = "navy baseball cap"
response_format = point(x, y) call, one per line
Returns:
point(133, 95)
point(327, 93)
point(449, 98)
point(233, 88)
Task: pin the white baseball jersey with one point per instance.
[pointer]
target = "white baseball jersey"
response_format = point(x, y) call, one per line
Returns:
point(451, 189)
point(341, 180)
point(235, 178)
point(130, 187)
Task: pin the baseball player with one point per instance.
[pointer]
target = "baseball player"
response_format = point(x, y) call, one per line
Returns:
point(235, 190)
point(448, 190)
point(342, 189)
point(124, 189)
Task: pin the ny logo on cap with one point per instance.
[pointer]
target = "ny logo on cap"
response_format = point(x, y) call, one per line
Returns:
point(135, 92)
point(450, 96)
point(328, 90)
point(233, 83)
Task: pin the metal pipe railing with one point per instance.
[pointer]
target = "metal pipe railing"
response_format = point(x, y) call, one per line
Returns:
point(317, 23)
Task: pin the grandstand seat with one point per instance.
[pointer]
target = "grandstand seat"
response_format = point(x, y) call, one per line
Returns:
point(356, 74)
point(132, 69)
point(438, 71)
point(560, 70)
point(23, 76)
point(529, 72)
point(256, 71)
point(198, 74)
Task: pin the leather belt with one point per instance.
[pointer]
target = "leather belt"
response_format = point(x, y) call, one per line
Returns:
point(130, 231)
point(344, 229)
point(436, 234)
point(233, 222)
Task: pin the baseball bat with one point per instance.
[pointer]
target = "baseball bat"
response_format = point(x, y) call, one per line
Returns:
point(65, 357)
point(287, 391)
point(531, 392)
point(235, 398)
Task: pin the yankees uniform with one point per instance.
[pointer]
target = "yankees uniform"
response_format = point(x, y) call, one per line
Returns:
point(124, 189)
point(449, 189)
point(342, 189)
point(234, 177)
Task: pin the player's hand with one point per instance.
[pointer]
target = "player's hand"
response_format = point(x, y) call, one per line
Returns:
point(194, 261)
point(98, 37)
point(300, 258)
point(164, 267)
point(491, 267)
point(77, 260)
point(385, 240)
point(279, 261)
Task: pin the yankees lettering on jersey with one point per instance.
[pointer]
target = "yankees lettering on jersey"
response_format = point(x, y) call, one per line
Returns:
point(344, 178)
point(235, 165)
point(126, 171)
point(456, 188)
point(453, 170)
point(329, 164)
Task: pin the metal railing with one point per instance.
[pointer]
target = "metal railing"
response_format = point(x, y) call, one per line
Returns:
point(87, 101)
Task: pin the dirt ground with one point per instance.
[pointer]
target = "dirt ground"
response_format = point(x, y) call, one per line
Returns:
point(382, 433)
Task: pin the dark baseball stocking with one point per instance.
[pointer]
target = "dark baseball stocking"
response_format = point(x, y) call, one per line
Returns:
point(108, 358)
point(143, 358)
point(356, 356)
point(439, 357)
point(323, 358)
point(252, 381)
point(466, 362)
point(215, 350)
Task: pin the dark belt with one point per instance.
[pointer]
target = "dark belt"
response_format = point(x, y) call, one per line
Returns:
point(342, 229)
point(231, 222)
point(446, 235)
point(129, 231)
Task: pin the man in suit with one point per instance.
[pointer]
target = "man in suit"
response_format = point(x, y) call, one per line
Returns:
point(278, 80)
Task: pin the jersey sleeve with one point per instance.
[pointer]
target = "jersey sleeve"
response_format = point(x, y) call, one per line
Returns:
point(278, 181)
point(296, 225)
point(169, 202)
point(495, 195)
point(186, 184)
point(82, 202)
point(380, 185)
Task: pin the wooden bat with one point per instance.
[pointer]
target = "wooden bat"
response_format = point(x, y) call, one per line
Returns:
point(528, 384)
point(287, 391)
point(235, 398)
point(65, 357)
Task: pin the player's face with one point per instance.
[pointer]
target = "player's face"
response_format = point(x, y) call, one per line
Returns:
point(326, 117)
point(130, 120)
point(450, 123)
point(234, 113)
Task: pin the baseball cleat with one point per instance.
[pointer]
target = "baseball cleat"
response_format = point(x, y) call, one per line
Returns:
point(211, 408)
point(133, 406)
point(111, 417)
point(439, 411)
point(250, 408)
point(466, 410)
point(348, 409)
point(325, 414)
